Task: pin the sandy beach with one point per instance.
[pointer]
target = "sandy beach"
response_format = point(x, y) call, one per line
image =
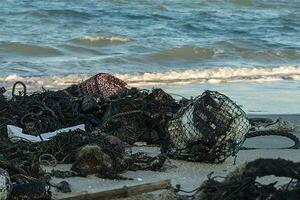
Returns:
point(128, 69)
point(188, 174)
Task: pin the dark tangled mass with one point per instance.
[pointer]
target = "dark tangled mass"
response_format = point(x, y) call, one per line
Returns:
point(113, 119)
point(209, 128)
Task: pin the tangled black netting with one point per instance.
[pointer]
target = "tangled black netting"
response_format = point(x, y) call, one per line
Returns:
point(45, 111)
point(140, 115)
point(132, 115)
point(209, 129)
point(243, 183)
point(280, 133)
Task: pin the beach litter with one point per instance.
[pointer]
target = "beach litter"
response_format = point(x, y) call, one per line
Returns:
point(140, 115)
point(102, 84)
point(265, 124)
point(16, 133)
point(269, 127)
point(93, 124)
point(209, 129)
point(243, 184)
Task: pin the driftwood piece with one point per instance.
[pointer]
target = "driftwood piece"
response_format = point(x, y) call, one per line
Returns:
point(124, 192)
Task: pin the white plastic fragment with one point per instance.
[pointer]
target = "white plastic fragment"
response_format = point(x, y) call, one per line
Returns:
point(16, 133)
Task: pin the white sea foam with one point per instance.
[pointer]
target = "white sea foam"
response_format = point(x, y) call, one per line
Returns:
point(107, 38)
point(215, 75)
point(13, 77)
point(211, 75)
point(99, 40)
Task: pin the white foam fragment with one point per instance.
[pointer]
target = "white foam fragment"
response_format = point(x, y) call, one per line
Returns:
point(105, 38)
point(16, 133)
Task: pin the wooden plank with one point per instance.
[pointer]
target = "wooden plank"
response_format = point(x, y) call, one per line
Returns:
point(124, 192)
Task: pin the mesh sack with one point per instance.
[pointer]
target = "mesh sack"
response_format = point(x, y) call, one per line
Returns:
point(209, 129)
point(104, 84)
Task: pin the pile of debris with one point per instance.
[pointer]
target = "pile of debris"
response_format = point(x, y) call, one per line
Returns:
point(243, 184)
point(92, 124)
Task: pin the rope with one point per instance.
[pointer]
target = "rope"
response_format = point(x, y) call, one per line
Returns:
point(44, 161)
point(14, 88)
point(289, 135)
point(126, 113)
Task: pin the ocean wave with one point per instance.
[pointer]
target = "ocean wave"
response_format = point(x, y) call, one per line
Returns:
point(215, 75)
point(284, 54)
point(258, 50)
point(28, 49)
point(184, 52)
point(99, 40)
point(76, 49)
point(46, 13)
point(210, 75)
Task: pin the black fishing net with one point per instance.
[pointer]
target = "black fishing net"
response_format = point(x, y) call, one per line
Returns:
point(243, 183)
point(209, 129)
point(103, 84)
point(47, 111)
point(140, 115)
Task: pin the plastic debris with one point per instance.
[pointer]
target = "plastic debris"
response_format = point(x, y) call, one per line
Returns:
point(209, 129)
point(16, 133)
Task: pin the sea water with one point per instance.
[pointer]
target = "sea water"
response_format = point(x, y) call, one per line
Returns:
point(247, 49)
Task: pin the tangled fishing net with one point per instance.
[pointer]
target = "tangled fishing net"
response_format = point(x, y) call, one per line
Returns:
point(102, 84)
point(5, 184)
point(243, 184)
point(209, 129)
point(140, 115)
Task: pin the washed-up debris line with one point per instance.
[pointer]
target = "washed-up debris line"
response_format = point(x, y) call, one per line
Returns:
point(90, 152)
point(208, 128)
point(132, 115)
